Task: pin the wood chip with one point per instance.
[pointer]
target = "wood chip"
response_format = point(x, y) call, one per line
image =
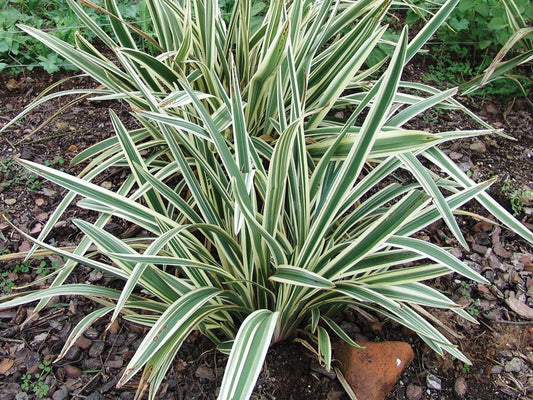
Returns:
point(518, 305)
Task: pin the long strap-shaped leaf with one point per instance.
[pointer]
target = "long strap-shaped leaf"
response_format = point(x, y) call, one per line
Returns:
point(439, 158)
point(178, 314)
point(424, 178)
point(437, 254)
point(247, 355)
point(136, 212)
point(357, 157)
point(375, 235)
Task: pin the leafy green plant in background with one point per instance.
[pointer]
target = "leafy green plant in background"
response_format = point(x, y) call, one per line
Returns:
point(18, 49)
point(470, 48)
point(266, 212)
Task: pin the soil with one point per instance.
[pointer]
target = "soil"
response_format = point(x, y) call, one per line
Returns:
point(500, 346)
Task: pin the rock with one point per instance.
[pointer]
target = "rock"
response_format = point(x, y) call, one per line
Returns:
point(478, 147)
point(414, 392)
point(373, 371)
point(61, 394)
point(434, 382)
point(496, 369)
point(455, 155)
point(514, 365)
point(460, 387)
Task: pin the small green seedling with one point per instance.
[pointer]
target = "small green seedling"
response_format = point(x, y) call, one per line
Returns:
point(36, 383)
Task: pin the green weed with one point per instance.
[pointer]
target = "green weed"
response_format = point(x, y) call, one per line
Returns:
point(517, 196)
point(36, 383)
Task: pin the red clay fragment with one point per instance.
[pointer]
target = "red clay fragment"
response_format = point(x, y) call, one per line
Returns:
point(373, 372)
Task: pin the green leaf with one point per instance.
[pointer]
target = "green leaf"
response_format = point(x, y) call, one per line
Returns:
point(300, 277)
point(247, 355)
point(180, 316)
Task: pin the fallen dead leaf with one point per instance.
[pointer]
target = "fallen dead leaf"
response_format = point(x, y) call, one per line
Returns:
point(37, 228)
point(39, 202)
point(6, 365)
point(497, 246)
point(517, 304)
point(72, 148)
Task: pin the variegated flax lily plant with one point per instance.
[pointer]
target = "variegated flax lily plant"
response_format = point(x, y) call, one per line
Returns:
point(266, 213)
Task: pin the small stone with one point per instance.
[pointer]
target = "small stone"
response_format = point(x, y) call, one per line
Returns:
point(434, 382)
point(204, 372)
point(107, 185)
point(460, 387)
point(414, 392)
point(496, 369)
point(61, 394)
point(455, 156)
point(478, 147)
point(22, 396)
point(514, 365)
point(72, 372)
point(10, 202)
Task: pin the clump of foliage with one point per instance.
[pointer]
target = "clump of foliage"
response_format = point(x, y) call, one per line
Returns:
point(19, 49)
point(265, 214)
point(474, 41)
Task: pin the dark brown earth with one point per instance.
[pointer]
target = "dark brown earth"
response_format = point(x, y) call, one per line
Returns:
point(500, 346)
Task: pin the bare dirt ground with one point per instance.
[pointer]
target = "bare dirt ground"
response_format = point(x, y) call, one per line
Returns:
point(500, 346)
